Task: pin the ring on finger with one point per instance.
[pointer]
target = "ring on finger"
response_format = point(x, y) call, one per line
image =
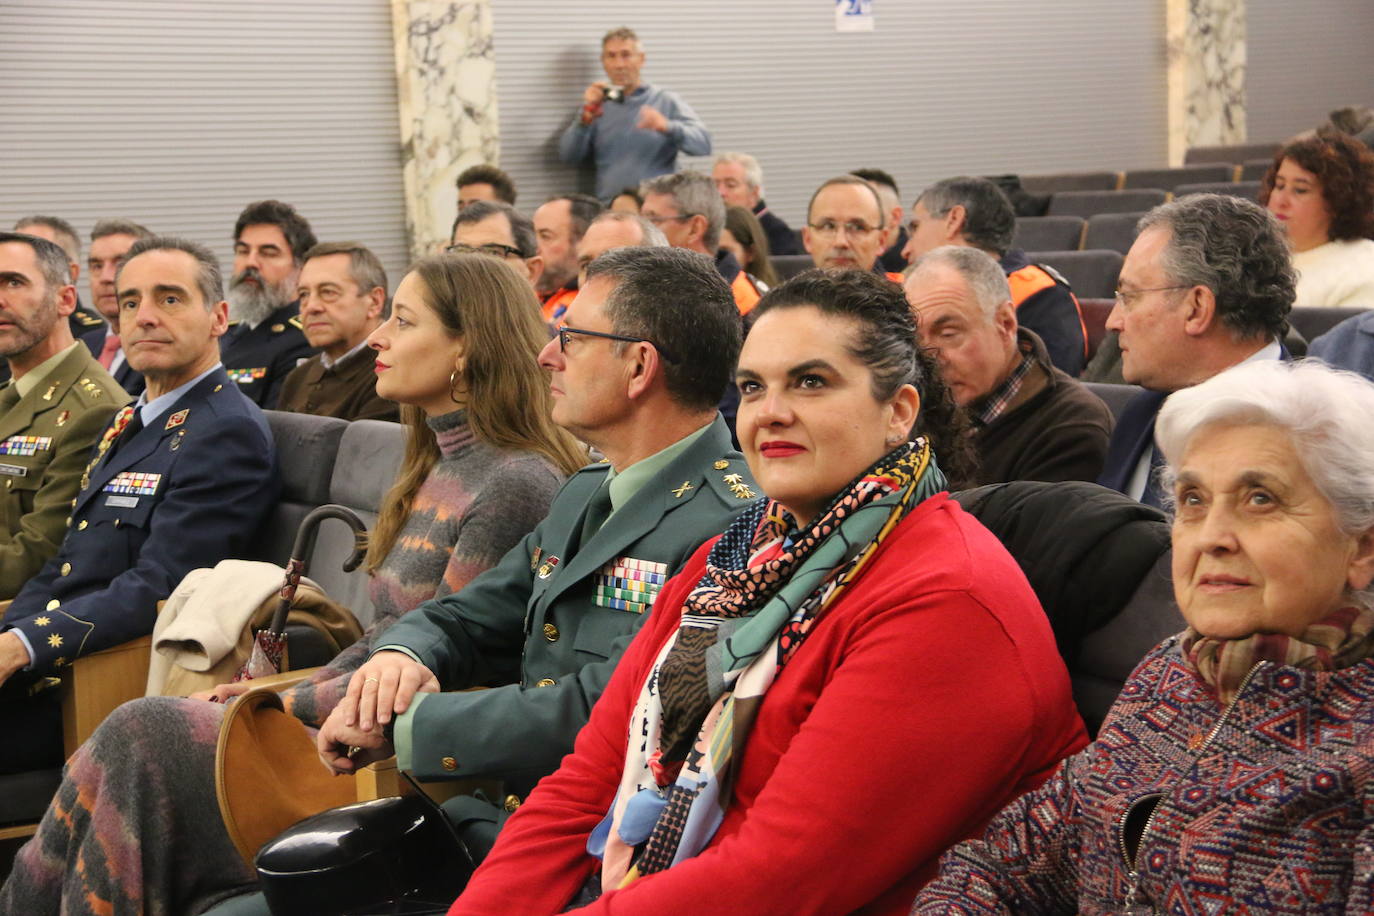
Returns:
point(370, 678)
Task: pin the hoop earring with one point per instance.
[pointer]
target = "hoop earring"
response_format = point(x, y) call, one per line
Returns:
point(452, 384)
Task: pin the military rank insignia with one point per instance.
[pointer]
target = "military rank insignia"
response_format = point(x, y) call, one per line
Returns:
point(550, 564)
point(24, 446)
point(133, 483)
point(247, 376)
point(177, 419)
point(628, 584)
point(534, 558)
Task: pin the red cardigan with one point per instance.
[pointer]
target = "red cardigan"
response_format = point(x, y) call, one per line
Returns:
point(926, 698)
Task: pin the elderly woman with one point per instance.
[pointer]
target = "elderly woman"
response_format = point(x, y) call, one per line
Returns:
point(1321, 188)
point(854, 656)
point(1233, 774)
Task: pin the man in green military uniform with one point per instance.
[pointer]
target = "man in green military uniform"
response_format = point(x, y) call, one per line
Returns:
point(649, 346)
point(51, 414)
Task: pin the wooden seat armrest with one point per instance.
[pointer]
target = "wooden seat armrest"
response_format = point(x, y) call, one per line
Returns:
point(97, 683)
point(285, 680)
point(4, 606)
point(383, 779)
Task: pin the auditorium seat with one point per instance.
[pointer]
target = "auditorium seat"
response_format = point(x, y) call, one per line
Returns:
point(1092, 274)
point(1312, 323)
point(788, 266)
point(1111, 231)
point(1071, 181)
point(1246, 189)
point(1116, 397)
point(1048, 233)
point(1168, 179)
point(1089, 203)
point(1240, 152)
point(306, 449)
point(1095, 312)
point(1255, 169)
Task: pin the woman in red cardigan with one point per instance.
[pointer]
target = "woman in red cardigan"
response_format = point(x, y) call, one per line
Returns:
point(852, 678)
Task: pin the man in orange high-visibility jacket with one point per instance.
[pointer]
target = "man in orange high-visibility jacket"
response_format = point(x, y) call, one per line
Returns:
point(974, 212)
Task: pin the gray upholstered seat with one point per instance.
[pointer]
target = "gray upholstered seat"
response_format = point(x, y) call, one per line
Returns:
point(1048, 233)
point(1249, 190)
point(1168, 179)
point(1116, 397)
point(1087, 203)
point(1092, 274)
point(1111, 231)
point(1239, 152)
point(1071, 181)
point(788, 266)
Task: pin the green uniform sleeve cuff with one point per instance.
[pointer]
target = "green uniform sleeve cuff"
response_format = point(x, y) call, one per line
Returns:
point(401, 731)
point(402, 649)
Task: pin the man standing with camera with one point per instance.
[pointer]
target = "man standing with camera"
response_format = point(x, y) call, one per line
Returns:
point(631, 130)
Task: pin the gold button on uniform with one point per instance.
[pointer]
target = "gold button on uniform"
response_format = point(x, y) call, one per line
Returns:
point(511, 803)
point(449, 763)
point(550, 632)
point(82, 526)
point(545, 682)
point(54, 604)
point(722, 464)
point(66, 569)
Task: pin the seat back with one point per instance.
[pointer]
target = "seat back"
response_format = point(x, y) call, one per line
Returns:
point(1116, 397)
point(1092, 274)
point(1048, 233)
point(1249, 190)
point(1255, 169)
point(370, 454)
point(1168, 179)
point(788, 266)
point(1071, 181)
point(1111, 231)
point(306, 450)
point(1312, 323)
point(1239, 152)
point(1087, 203)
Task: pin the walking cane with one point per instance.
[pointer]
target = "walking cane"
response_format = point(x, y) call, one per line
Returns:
point(269, 646)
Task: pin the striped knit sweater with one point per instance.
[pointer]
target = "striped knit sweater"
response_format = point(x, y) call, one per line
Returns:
point(135, 827)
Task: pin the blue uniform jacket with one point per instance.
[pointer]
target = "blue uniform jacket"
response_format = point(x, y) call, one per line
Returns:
point(186, 491)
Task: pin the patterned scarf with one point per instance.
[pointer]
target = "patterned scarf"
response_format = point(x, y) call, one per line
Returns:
point(1338, 640)
point(764, 588)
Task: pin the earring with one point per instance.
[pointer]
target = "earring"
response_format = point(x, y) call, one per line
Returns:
point(452, 386)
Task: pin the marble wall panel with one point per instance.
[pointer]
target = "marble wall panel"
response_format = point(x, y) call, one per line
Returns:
point(1206, 74)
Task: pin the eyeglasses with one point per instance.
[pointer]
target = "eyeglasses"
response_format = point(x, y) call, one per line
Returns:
point(492, 248)
point(660, 220)
point(564, 331)
point(829, 228)
point(1126, 297)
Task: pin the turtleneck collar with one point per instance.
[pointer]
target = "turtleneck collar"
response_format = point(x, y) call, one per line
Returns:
point(452, 431)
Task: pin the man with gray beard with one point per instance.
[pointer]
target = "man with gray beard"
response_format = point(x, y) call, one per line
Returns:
point(265, 340)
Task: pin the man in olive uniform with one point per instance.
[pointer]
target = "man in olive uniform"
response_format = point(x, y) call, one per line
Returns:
point(265, 341)
point(51, 414)
point(649, 346)
point(343, 299)
point(180, 480)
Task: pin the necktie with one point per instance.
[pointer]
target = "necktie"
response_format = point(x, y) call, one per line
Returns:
point(109, 350)
point(1152, 495)
point(598, 510)
point(130, 430)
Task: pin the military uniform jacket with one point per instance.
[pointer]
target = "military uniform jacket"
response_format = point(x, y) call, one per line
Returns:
point(259, 359)
point(550, 621)
point(46, 440)
point(347, 390)
point(187, 490)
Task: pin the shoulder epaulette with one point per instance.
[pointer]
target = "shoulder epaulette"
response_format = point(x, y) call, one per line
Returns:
point(295, 322)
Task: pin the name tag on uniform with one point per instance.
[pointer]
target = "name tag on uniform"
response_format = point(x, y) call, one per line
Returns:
point(122, 502)
point(132, 483)
point(247, 376)
point(23, 446)
point(13, 470)
point(628, 584)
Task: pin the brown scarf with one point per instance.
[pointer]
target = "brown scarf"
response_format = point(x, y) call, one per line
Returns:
point(1338, 640)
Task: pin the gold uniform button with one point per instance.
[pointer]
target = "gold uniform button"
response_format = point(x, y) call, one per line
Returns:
point(722, 464)
point(82, 526)
point(511, 803)
point(54, 604)
point(545, 682)
point(8, 484)
point(449, 763)
point(550, 632)
point(66, 569)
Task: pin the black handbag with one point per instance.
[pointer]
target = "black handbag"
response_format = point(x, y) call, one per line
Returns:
point(387, 856)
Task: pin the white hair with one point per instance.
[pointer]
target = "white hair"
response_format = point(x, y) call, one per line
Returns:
point(984, 276)
point(753, 172)
point(1325, 411)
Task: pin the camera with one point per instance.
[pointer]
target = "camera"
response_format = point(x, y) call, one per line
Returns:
point(613, 94)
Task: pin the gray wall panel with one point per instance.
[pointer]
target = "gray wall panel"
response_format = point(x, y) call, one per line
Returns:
point(940, 87)
point(1304, 60)
point(178, 113)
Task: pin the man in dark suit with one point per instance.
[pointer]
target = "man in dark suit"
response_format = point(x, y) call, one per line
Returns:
point(111, 240)
point(552, 619)
point(264, 341)
point(180, 480)
point(1207, 285)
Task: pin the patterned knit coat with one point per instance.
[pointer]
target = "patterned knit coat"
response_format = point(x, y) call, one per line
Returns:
point(1181, 806)
point(135, 827)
